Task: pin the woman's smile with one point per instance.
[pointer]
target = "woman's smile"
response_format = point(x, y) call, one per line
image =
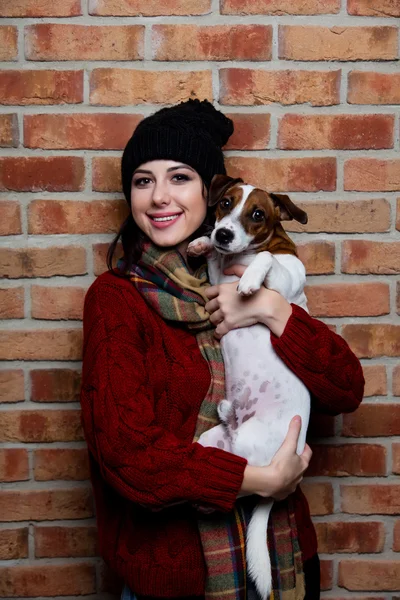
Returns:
point(164, 220)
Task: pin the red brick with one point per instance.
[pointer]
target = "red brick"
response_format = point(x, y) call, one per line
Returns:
point(373, 88)
point(55, 385)
point(45, 505)
point(34, 173)
point(363, 460)
point(372, 175)
point(321, 425)
point(373, 420)
point(396, 381)
point(253, 87)
point(14, 464)
point(338, 132)
point(69, 132)
point(396, 459)
point(46, 217)
point(279, 7)
point(106, 174)
point(9, 133)
point(14, 543)
point(252, 132)
point(49, 41)
point(319, 496)
point(375, 380)
point(218, 42)
point(326, 574)
point(368, 341)
point(60, 542)
point(396, 536)
point(337, 43)
point(118, 87)
point(289, 174)
point(40, 8)
point(41, 87)
point(148, 8)
point(12, 303)
point(42, 262)
point(350, 537)
point(365, 257)
point(47, 580)
point(371, 499)
point(369, 575)
point(12, 386)
point(100, 258)
point(318, 257)
point(10, 217)
point(378, 8)
point(55, 344)
point(41, 426)
point(70, 464)
point(344, 216)
point(57, 303)
point(348, 299)
point(8, 43)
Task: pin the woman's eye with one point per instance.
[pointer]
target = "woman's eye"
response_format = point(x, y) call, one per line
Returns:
point(258, 216)
point(181, 177)
point(141, 182)
point(225, 203)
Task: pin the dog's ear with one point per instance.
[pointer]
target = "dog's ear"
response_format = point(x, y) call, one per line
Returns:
point(219, 185)
point(288, 210)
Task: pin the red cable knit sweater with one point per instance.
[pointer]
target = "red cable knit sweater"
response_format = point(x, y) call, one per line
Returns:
point(143, 383)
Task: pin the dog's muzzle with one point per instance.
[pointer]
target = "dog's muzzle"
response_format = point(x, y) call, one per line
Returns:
point(223, 236)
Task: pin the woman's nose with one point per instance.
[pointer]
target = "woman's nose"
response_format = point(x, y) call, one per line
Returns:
point(161, 195)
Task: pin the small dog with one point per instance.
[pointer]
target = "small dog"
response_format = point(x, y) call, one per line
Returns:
point(262, 393)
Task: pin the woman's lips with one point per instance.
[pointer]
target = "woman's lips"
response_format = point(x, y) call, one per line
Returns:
point(163, 221)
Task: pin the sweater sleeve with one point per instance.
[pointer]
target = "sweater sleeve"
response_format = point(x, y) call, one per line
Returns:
point(143, 461)
point(323, 361)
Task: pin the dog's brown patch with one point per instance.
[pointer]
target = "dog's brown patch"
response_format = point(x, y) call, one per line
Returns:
point(234, 195)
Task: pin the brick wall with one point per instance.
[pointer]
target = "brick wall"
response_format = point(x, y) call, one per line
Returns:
point(314, 89)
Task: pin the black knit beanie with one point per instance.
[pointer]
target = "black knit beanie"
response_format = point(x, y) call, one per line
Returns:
point(192, 132)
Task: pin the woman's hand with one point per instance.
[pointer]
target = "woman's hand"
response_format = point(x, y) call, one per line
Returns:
point(281, 478)
point(228, 310)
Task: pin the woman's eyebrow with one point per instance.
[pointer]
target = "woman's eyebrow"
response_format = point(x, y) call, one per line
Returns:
point(180, 167)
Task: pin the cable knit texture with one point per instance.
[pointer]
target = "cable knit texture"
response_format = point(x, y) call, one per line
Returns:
point(143, 383)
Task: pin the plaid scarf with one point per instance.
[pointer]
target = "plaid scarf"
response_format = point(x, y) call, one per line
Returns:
point(164, 281)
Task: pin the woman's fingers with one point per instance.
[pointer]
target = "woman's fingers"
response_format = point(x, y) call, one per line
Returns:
point(212, 305)
point(307, 453)
point(216, 317)
point(212, 291)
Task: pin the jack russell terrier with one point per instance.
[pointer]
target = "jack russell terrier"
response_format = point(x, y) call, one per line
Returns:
point(262, 393)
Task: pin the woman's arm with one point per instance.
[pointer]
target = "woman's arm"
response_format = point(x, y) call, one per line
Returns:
point(143, 461)
point(317, 355)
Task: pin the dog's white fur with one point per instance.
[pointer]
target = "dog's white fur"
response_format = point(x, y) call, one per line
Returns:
point(262, 393)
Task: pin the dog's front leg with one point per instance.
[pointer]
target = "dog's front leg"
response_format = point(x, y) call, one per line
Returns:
point(255, 274)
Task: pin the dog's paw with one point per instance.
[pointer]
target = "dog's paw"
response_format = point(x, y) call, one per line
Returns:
point(199, 247)
point(249, 283)
point(224, 409)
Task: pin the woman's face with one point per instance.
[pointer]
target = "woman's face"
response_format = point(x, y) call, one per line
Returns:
point(167, 201)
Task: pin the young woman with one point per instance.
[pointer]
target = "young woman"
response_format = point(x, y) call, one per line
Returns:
point(169, 519)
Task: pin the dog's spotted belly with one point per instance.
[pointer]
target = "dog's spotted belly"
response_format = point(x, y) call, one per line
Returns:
point(263, 395)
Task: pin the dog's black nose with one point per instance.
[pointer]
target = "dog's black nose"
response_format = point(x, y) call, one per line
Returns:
point(224, 236)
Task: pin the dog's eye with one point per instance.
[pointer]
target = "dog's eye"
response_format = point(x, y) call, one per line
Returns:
point(225, 203)
point(258, 215)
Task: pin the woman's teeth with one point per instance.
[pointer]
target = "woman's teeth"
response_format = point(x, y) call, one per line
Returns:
point(157, 219)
